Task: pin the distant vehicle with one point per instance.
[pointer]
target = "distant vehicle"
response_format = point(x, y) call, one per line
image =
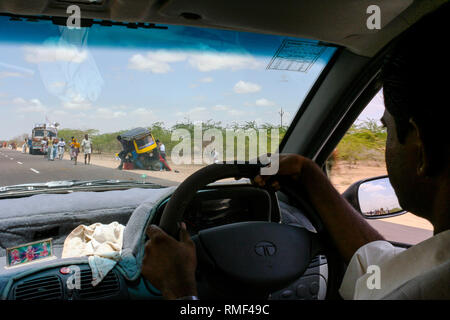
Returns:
point(143, 152)
point(39, 132)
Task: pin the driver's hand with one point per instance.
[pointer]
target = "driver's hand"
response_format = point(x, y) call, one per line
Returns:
point(169, 264)
point(290, 166)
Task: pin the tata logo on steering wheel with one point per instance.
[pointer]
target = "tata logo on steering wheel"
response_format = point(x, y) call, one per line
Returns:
point(265, 248)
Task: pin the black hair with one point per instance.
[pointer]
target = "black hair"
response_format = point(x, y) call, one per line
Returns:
point(415, 83)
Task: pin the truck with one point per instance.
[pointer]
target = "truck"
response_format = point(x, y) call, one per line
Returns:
point(39, 132)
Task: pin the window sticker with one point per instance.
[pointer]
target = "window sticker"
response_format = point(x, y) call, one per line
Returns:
point(296, 56)
point(30, 252)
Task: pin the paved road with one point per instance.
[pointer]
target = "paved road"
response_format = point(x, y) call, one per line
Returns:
point(18, 168)
point(400, 233)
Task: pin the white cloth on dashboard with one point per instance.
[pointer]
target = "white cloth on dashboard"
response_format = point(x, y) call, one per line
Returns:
point(102, 243)
point(397, 266)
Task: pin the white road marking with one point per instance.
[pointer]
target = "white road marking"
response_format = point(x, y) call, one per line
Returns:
point(12, 158)
point(19, 162)
point(34, 170)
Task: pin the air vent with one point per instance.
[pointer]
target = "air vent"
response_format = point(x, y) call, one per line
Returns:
point(44, 288)
point(107, 288)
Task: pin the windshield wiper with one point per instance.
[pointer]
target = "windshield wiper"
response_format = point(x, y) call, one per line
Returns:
point(74, 184)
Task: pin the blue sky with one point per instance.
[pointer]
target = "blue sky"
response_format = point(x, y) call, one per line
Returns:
point(98, 79)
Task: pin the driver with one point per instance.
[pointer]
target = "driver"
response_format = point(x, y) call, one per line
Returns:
point(418, 164)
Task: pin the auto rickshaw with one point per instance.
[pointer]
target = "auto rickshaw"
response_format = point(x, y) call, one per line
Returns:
point(140, 150)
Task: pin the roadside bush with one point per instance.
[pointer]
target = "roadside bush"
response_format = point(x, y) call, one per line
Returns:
point(363, 141)
point(107, 142)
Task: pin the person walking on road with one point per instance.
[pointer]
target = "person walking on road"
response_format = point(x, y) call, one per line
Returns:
point(86, 144)
point(74, 149)
point(61, 148)
point(54, 149)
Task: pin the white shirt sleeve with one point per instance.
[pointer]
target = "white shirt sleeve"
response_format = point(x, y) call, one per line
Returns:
point(373, 253)
point(397, 266)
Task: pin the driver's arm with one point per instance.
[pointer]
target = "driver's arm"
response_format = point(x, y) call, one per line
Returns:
point(348, 229)
point(169, 264)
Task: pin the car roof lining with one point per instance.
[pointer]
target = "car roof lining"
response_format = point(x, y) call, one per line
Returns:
point(340, 22)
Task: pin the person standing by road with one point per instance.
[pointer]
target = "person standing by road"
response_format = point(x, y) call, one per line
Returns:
point(162, 149)
point(214, 156)
point(61, 148)
point(24, 146)
point(50, 149)
point(44, 146)
point(86, 144)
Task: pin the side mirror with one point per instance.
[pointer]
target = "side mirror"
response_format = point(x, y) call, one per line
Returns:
point(374, 198)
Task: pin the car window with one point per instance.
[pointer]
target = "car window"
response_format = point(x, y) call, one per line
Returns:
point(360, 155)
point(203, 95)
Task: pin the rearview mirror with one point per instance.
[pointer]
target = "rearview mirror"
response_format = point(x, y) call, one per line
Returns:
point(374, 198)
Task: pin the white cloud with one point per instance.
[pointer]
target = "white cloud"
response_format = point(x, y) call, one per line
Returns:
point(264, 103)
point(246, 87)
point(158, 61)
point(32, 105)
point(210, 61)
point(207, 79)
point(19, 101)
point(37, 54)
point(77, 102)
point(372, 187)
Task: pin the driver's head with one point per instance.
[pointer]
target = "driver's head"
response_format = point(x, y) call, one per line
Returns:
point(415, 88)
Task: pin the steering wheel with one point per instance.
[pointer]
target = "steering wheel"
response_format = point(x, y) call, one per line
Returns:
point(245, 259)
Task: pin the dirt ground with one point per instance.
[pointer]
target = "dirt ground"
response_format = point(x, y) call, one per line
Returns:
point(342, 176)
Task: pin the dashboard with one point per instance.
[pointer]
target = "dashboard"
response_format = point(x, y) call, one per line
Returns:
point(211, 207)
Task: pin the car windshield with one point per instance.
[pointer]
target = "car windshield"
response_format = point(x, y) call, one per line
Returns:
point(203, 95)
point(38, 133)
